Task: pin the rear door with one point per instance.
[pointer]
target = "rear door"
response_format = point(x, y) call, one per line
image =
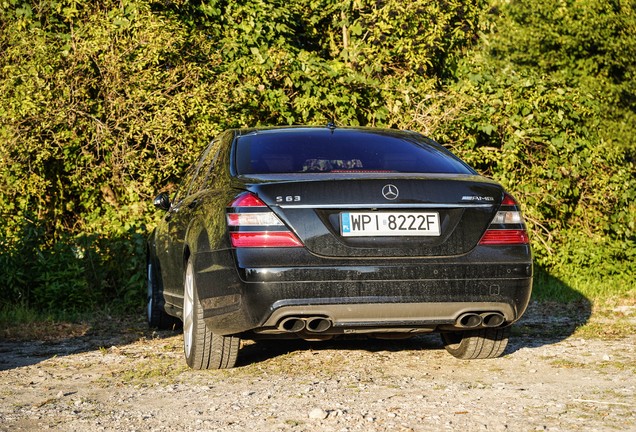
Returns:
point(170, 234)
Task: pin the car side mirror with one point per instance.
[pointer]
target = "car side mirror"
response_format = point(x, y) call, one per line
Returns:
point(162, 202)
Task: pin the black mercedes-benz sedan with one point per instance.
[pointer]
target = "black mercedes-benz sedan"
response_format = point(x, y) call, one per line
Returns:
point(322, 232)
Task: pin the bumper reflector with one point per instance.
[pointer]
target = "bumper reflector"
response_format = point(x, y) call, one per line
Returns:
point(505, 237)
point(264, 239)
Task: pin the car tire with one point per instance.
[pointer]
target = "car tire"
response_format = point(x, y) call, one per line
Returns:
point(203, 349)
point(476, 344)
point(156, 316)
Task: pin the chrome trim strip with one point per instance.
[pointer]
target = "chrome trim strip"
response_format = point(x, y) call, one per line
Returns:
point(374, 206)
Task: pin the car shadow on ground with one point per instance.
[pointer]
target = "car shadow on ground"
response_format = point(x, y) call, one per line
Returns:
point(546, 322)
point(25, 348)
point(263, 350)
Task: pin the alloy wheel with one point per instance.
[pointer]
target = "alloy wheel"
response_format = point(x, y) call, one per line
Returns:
point(149, 308)
point(188, 319)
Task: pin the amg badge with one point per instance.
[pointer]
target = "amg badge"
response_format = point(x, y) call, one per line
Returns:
point(477, 198)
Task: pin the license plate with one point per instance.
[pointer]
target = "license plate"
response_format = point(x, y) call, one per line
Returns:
point(389, 224)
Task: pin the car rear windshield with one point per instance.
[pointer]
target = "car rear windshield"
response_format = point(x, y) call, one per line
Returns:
point(344, 150)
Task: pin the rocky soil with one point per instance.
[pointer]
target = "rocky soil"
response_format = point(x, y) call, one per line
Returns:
point(563, 370)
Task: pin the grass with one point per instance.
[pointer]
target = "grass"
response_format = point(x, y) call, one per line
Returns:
point(567, 364)
point(23, 323)
point(572, 285)
point(19, 322)
point(25, 315)
point(605, 330)
point(151, 372)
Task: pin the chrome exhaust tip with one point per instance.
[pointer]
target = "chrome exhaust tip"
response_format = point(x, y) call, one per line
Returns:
point(492, 319)
point(292, 324)
point(318, 325)
point(469, 320)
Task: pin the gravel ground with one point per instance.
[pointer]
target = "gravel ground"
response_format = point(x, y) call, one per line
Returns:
point(125, 377)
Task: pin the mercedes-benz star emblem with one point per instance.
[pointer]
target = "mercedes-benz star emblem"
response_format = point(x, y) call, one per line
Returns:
point(390, 192)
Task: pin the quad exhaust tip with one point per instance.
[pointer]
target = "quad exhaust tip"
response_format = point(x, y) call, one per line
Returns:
point(292, 325)
point(492, 319)
point(313, 325)
point(471, 320)
point(318, 325)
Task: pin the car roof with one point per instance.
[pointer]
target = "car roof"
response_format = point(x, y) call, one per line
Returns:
point(310, 129)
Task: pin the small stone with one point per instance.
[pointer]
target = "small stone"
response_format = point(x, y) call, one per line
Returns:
point(60, 394)
point(533, 371)
point(318, 414)
point(606, 357)
point(77, 402)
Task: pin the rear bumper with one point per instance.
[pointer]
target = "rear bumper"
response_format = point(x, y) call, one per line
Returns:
point(408, 304)
point(253, 289)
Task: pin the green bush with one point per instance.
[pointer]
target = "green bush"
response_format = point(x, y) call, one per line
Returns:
point(71, 273)
point(538, 137)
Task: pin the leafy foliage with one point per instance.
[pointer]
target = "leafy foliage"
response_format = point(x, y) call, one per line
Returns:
point(103, 104)
point(72, 273)
point(542, 141)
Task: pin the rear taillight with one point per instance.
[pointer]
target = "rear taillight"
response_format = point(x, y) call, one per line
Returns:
point(508, 217)
point(264, 239)
point(247, 200)
point(508, 200)
point(505, 237)
point(252, 224)
point(508, 226)
point(253, 219)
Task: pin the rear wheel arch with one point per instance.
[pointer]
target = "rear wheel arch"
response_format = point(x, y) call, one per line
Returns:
point(202, 348)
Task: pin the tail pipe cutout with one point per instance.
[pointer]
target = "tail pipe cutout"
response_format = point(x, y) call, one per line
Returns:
point(310, 324)
point(472, 320)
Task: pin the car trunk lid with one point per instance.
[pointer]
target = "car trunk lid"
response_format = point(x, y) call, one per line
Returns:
point(313, 205)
